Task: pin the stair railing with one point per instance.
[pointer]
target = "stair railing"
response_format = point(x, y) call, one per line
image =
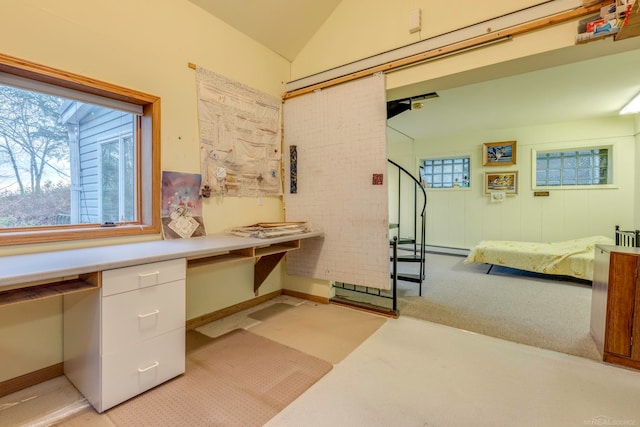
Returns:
point(394, 307)
point(418, 247)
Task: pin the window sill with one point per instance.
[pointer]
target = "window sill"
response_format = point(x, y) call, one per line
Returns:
point(448, 189)
point(576, 187)
point(71, 233)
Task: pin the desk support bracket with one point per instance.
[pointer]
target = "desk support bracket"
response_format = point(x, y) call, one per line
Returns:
point(264, 266)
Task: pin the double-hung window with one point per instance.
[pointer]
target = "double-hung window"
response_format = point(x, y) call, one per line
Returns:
point(75, 155)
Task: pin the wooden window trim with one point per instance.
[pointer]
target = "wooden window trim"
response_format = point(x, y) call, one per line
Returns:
point(148, 146)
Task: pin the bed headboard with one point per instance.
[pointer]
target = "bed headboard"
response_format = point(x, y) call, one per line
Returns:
point(627, 238)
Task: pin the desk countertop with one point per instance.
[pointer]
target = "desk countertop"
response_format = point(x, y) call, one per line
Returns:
point(17, 269)
point(622, 249)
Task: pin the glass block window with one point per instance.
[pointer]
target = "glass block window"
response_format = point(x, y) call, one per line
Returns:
point(570, 168)
point(446, 173)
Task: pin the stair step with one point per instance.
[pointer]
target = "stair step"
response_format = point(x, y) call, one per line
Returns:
point(409, 258)
point(412, 248)
point(415, 278)
point(404, 241)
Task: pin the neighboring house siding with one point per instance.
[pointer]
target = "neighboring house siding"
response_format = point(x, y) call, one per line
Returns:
point(99, 125)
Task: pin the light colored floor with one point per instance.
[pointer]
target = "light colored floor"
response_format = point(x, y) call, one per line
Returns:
point(412, 372)
point(415, 373)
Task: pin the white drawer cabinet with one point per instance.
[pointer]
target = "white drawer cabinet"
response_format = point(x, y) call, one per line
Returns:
point(142, 276)
point(134, 316)
point(129, 335)
point(128, 373)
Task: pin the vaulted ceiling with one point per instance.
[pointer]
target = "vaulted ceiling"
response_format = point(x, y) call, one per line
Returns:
point(586, 81)
point(284, 26)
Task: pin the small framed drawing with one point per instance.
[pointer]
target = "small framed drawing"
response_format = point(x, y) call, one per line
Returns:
point(501, 181)
point(499, 153)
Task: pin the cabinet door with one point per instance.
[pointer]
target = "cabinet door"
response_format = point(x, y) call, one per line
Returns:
point(635, 346)
point(621, 302)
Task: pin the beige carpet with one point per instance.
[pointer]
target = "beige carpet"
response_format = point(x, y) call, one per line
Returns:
point(244, 319)
point(327, 331)
point(234, 376)
point(270, 311)
point(528, 308)
point(237, 379)
point(549, 312)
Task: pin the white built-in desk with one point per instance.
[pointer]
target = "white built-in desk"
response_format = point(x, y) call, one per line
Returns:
point(124, 305)
point(35, 276)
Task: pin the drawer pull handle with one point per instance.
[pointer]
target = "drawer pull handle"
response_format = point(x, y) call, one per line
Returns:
point(155, 273)
point(153, 313)
point(153, 365)
point(148, 279)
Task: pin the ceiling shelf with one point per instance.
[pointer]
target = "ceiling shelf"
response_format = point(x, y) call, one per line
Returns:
point(631, 26)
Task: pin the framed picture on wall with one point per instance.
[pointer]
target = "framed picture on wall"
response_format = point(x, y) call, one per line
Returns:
point(501, 181)
point(499, 153)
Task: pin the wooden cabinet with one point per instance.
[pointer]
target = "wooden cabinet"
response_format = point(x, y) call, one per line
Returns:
point(615, 305)
point(129, 335)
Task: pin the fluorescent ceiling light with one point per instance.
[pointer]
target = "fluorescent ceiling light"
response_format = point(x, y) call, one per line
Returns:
point(633, 106)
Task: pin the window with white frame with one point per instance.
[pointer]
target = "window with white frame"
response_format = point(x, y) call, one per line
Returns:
point(573, 168)
point(451, 172)
point(117, 180)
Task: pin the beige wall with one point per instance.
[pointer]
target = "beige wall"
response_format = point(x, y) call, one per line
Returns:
point(144, 45)
point(358, 29)
point(636, 217)
point(460, 218)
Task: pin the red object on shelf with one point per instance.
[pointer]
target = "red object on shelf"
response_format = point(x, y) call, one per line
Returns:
point(591, 26)
point(626, 15)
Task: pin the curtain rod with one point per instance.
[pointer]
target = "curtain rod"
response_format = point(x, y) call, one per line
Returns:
point(458, 47)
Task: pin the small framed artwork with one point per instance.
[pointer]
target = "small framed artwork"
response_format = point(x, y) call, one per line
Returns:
point(501, 181)
point(499, 153)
